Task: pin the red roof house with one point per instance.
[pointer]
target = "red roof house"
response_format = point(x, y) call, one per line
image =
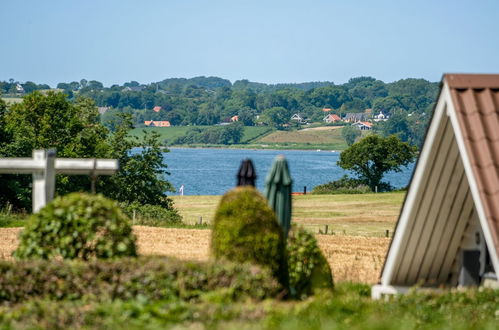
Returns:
point(157, 123)
point(331, 118)
point(156, 108)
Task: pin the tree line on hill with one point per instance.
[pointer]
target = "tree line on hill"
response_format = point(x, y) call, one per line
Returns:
point(212, 100)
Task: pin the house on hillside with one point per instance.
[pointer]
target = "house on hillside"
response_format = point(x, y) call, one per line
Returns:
point(102, 110)
point(363, 125)
point(380, 117)
point(298, 118)
point(447, 234)
point(19, 89)
point(156, 108)
point(355, 117)
point(157, 123)
point(331, 118)
point(327, 109)
point(133, 89)
point(234, 118)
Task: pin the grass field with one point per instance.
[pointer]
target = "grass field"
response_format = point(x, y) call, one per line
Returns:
point(165, 133)
point(171, 133)
point(363, 214)
point(328, 138)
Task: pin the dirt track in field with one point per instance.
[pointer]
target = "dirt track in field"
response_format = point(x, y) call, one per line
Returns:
point(352, 258)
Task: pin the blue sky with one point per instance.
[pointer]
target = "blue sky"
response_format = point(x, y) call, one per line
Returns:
point(115, 41)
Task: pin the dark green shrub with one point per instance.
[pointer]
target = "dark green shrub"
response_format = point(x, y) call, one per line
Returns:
point(152, 215)
point(308, 268)
point(345, 185)
point(245, 228)
point(77, 225)
point(150, 278)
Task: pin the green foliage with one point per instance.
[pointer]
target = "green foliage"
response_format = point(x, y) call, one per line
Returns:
point(245, 228)
point(345, 185)
point(351, 307)
point(9, 220)
point(350, 134)
point(309, 270)
point(210, 100)
point(50, 121)
point(152, 215)
point(409, 128)
point(149, 278)
point(276, 117)
point(226, 134)
point(373, 156)
point(74, 129)
point(77, 226)
point(141, 175)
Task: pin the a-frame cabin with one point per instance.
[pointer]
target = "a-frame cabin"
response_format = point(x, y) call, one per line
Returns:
point(447, 234)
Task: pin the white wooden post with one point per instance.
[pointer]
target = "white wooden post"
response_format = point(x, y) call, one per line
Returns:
point(44, 166)
point(43, 179)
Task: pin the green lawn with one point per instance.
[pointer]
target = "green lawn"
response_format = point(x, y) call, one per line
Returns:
point(165, 133)
point(363, 214)
point(171, 133)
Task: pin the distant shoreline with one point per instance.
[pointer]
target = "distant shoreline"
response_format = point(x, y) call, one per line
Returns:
point(238, 147)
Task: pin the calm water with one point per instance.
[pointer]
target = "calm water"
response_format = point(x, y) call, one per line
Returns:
point(213, 171)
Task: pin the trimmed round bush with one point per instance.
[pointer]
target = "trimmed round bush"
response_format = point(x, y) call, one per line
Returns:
point(309, 270)
point(77, 226)
point(245, 229)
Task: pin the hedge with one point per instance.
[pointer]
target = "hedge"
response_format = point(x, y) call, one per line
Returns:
point(129, 278)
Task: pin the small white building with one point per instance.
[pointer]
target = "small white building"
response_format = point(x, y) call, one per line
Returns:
point(447, 234)
point(380, 117)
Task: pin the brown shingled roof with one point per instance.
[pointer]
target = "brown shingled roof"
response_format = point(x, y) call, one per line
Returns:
point(476, 100)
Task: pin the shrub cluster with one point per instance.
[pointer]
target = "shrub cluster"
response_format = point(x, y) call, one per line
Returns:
point(309, 270)
point(131, 278)
point(77, 225)
point(345, 185)
point(245, 228)
point(152, 215)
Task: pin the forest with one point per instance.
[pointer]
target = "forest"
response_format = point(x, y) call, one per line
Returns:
point(213, 100)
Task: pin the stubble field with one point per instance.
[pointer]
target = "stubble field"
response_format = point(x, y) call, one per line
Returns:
point(355, 252)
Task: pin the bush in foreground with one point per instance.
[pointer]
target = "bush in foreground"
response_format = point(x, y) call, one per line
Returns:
point(351, 307)
point(150, 278)
point(245, 229)
point(309, 271)
point(77, 225)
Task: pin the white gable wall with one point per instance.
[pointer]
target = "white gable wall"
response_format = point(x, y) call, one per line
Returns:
point(441, 215)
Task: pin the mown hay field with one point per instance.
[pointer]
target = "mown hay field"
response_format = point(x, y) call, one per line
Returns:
point(356, 251)
point(352, 258)
point(365, 214)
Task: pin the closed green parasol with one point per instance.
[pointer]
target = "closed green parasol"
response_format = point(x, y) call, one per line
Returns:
point(278, 185)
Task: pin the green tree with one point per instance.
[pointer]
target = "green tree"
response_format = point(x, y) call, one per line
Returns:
point(276, 117)
point(74, 129)
point(350, 134)
point(141, 177)
point(51, 121)
point(373, 156)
